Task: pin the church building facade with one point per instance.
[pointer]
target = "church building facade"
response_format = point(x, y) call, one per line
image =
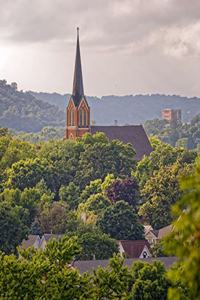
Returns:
point(78, 117)
point(78, 110)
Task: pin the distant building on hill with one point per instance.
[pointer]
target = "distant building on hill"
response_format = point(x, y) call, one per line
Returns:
point(78, 117)
point(172, 115)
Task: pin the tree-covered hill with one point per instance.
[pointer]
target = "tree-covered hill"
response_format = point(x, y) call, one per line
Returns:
point(23, 112)
point(129, 109)
point(31, 111)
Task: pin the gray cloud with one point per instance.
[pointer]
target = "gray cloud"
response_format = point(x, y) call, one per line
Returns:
point(133, 34)
point(105, 24)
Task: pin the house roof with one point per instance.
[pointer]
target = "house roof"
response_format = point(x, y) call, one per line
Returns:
point(133, 134)
point(48, 236)
point(147, 228)
point(164, 231)
point(29, 242)
point(133, 249)
point(91, 265)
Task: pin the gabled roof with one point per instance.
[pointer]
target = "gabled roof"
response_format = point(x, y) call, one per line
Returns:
point(49, 236)
point(133, 249)
point(133, 134)
point(164, 231)
point(30, 241)
point(147, 228)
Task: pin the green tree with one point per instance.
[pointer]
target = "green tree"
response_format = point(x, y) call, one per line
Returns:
point(44, 274)
point(159, 193)
point(13, 150)
point(155, 126)
point(28, 173)
point(70, 194)
point(96, 245)
point(50, 274)
point(101, 157)
point(141, 281)
point(53, 218)
point(184, 241)
point(13, 228)
point(150, 281)
point(94, 187)
point(64, 156)
point(121, 222)
point(28, 199)
point(93, 207)
point(163, 155)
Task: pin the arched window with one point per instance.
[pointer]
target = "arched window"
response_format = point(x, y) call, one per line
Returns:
point(80, 117)
point(83, 117)
point(72, 117)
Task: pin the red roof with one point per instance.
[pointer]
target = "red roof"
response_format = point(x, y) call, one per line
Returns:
point(133, 134)
point(133, 249)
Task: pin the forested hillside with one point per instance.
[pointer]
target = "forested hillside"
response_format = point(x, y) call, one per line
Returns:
point(23, 112)
point(181, 135)
point(30, 111)
point(129, 109)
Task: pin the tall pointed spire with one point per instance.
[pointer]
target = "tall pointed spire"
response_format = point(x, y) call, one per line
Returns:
point(78, 91)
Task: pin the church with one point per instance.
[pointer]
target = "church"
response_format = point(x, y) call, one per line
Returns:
point(78, 117)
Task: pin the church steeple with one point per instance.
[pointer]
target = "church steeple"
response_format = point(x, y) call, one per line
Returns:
point(78, 110)
point(78, 92)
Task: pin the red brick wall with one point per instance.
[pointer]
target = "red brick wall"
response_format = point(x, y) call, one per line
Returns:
point(72, 132)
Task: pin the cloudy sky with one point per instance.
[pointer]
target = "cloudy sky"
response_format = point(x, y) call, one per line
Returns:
point(127, 46)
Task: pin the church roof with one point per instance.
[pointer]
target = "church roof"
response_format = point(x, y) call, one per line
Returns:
point(133, 134)
point(78, 91)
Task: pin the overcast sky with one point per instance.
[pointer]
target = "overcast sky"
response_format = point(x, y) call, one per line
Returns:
point(127, 46)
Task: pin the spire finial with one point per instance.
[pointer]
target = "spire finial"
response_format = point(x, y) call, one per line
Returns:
point(77, 31)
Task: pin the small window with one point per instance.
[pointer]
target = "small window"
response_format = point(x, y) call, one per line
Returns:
point(85, 118)
point(80, 117)
point(72, 117)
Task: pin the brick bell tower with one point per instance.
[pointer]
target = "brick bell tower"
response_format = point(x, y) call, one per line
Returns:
point(78, 110)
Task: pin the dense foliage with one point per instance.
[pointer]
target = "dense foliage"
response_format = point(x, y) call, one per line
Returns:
point(21, 111)
point(121, 222)
point(50, 274)
point(182, 135)
point(61, 186)
point(184, 241)
point(93, 192)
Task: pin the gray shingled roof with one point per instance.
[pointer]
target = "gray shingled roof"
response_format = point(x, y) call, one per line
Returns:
point(91, 265)
point(29, 242)
point(133, 134)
